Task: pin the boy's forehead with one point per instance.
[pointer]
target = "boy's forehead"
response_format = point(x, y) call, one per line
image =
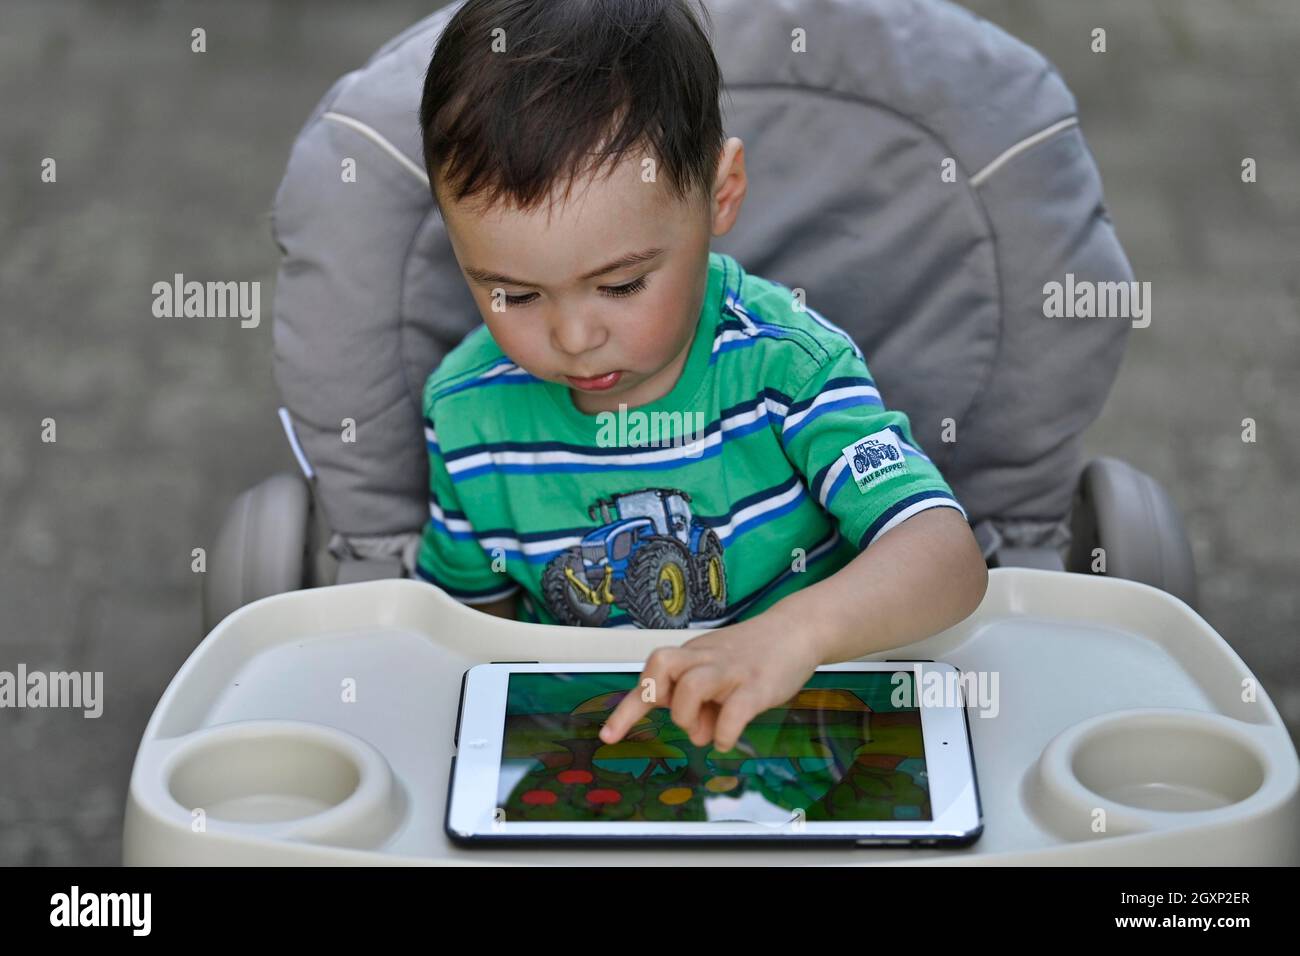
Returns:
point(602, 213)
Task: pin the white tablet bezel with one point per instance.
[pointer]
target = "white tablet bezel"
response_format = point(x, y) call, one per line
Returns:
point(472, 813)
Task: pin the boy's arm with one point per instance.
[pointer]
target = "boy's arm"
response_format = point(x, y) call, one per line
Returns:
point(919, 569)
point(919, 577)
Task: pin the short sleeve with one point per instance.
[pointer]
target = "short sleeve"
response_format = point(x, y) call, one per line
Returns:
point(857, 457)
point(450, 554)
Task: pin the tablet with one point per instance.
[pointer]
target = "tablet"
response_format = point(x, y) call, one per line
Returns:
point(864, 755)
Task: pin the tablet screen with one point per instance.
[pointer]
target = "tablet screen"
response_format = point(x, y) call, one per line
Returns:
point(843, 748)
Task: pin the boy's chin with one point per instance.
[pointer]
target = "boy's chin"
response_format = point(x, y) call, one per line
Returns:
point(593, 404)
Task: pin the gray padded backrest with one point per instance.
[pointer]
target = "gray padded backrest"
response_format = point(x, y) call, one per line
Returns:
point(941, 283)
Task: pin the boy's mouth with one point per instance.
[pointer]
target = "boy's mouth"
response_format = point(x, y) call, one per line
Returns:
point(600, 383)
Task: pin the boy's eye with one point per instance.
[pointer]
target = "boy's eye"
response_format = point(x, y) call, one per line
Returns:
point(613, 291)
point(630, 288)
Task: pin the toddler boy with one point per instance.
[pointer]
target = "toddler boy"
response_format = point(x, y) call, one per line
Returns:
point(642, 434)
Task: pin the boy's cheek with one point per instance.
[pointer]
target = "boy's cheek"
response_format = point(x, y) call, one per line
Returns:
point(516, 349)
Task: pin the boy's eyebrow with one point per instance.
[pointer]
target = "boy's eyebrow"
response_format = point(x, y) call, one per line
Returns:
point(632, 258)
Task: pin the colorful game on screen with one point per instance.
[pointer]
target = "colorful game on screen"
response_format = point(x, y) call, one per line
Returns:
point(838, 750)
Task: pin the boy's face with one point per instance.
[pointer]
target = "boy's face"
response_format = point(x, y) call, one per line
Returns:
point(560, 323)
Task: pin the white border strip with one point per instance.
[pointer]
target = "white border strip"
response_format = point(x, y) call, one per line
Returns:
point(373, 134)
point(1020, 147)
point(298, 453)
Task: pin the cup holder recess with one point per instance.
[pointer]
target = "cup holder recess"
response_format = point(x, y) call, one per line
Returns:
point(1138, 770)
point(287, 779)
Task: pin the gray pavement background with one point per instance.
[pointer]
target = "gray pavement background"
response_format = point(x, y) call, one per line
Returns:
point(167, 162)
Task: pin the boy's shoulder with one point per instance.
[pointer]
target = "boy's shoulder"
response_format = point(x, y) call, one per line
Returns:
point(786, 324)
point(476, 355)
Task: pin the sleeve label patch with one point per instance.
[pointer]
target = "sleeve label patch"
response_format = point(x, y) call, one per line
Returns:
point(875, 458)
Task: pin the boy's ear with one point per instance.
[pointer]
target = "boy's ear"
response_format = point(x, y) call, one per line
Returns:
point(730, 186)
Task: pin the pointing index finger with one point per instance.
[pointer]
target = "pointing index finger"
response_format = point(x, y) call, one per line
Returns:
point(635, 703)
point(629, 710)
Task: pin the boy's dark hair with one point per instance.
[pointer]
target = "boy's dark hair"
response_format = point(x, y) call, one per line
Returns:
point(512, 112)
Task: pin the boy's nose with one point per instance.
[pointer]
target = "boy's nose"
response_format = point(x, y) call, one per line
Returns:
point(575, 335)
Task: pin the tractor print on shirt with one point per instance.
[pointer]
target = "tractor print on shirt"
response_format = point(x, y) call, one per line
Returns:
point(655, 561)
point(871, 453)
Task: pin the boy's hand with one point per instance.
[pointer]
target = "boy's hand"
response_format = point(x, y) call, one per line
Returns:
point(715, 684)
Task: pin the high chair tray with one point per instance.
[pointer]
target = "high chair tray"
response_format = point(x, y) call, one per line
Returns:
point(316, 727)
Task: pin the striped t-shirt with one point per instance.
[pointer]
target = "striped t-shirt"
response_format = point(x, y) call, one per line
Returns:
point(767, 467)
